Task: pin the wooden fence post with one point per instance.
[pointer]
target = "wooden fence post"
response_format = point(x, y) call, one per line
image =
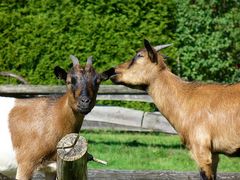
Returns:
point(72, 157)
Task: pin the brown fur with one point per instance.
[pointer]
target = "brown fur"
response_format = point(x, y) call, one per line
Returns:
point(206, 116)
point(37, 124)
point(42, 124)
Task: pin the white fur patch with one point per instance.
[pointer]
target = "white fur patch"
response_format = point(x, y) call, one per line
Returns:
point(8, 162)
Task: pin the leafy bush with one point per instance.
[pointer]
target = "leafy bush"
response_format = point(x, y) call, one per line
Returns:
point(209, 37)
point(38, 35)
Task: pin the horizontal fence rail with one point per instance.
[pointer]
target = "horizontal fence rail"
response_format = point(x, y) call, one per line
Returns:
point(106, 92)
point(104, 117)
point(118, 118)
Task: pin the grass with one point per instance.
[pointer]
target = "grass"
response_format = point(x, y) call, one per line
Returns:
point(145, 151)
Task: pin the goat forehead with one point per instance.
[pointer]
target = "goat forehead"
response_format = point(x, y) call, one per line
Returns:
point(88, 77)
point(78, 71)
point(85, 81)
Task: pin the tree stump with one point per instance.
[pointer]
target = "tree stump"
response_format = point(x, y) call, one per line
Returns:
point(72, 157)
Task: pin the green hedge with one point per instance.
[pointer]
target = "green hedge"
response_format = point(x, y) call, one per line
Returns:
point(208, 32)
point(38, 35)
point(35, 36)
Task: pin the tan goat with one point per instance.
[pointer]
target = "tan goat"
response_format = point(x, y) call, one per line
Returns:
point(206, 116)
point(31, 128)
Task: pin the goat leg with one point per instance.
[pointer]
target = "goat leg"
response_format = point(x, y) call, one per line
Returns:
point(203, 156)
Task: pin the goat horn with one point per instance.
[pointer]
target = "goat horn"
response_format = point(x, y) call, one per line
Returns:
point(90, 60)
point(158, 48)
point(75, 60)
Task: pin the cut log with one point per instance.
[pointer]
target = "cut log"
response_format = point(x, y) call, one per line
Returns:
point(72, 157)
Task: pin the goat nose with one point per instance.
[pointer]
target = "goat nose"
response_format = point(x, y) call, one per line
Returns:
point(85, 99)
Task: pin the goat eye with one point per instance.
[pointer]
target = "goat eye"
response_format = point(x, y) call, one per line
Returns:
point(98, 80)
point(73, 80)
point(139, 55)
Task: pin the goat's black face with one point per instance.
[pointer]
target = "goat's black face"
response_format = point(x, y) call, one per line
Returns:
point(83, 84)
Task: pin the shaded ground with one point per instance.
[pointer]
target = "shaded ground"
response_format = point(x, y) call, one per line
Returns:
point(142, 175)
point(153, 175)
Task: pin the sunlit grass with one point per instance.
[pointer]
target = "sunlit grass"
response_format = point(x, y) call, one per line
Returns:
point(145, 151)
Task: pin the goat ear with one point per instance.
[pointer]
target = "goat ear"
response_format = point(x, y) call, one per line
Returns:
point(60, 73)
point(107, 74)
point(151, 52)
point(104, 77)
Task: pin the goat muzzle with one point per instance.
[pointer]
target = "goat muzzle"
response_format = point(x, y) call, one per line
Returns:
point(84, 104)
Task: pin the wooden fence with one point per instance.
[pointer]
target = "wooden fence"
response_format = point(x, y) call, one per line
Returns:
point(104, 117)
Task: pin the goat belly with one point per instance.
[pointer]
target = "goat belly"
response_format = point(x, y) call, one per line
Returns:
point(8, 163)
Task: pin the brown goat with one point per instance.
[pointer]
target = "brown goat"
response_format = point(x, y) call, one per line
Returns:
point(31, 128)
point(206, 116)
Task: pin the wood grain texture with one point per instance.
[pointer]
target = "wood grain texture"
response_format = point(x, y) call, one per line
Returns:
point(72, 158)
point(49, 89)
point(118, 118)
